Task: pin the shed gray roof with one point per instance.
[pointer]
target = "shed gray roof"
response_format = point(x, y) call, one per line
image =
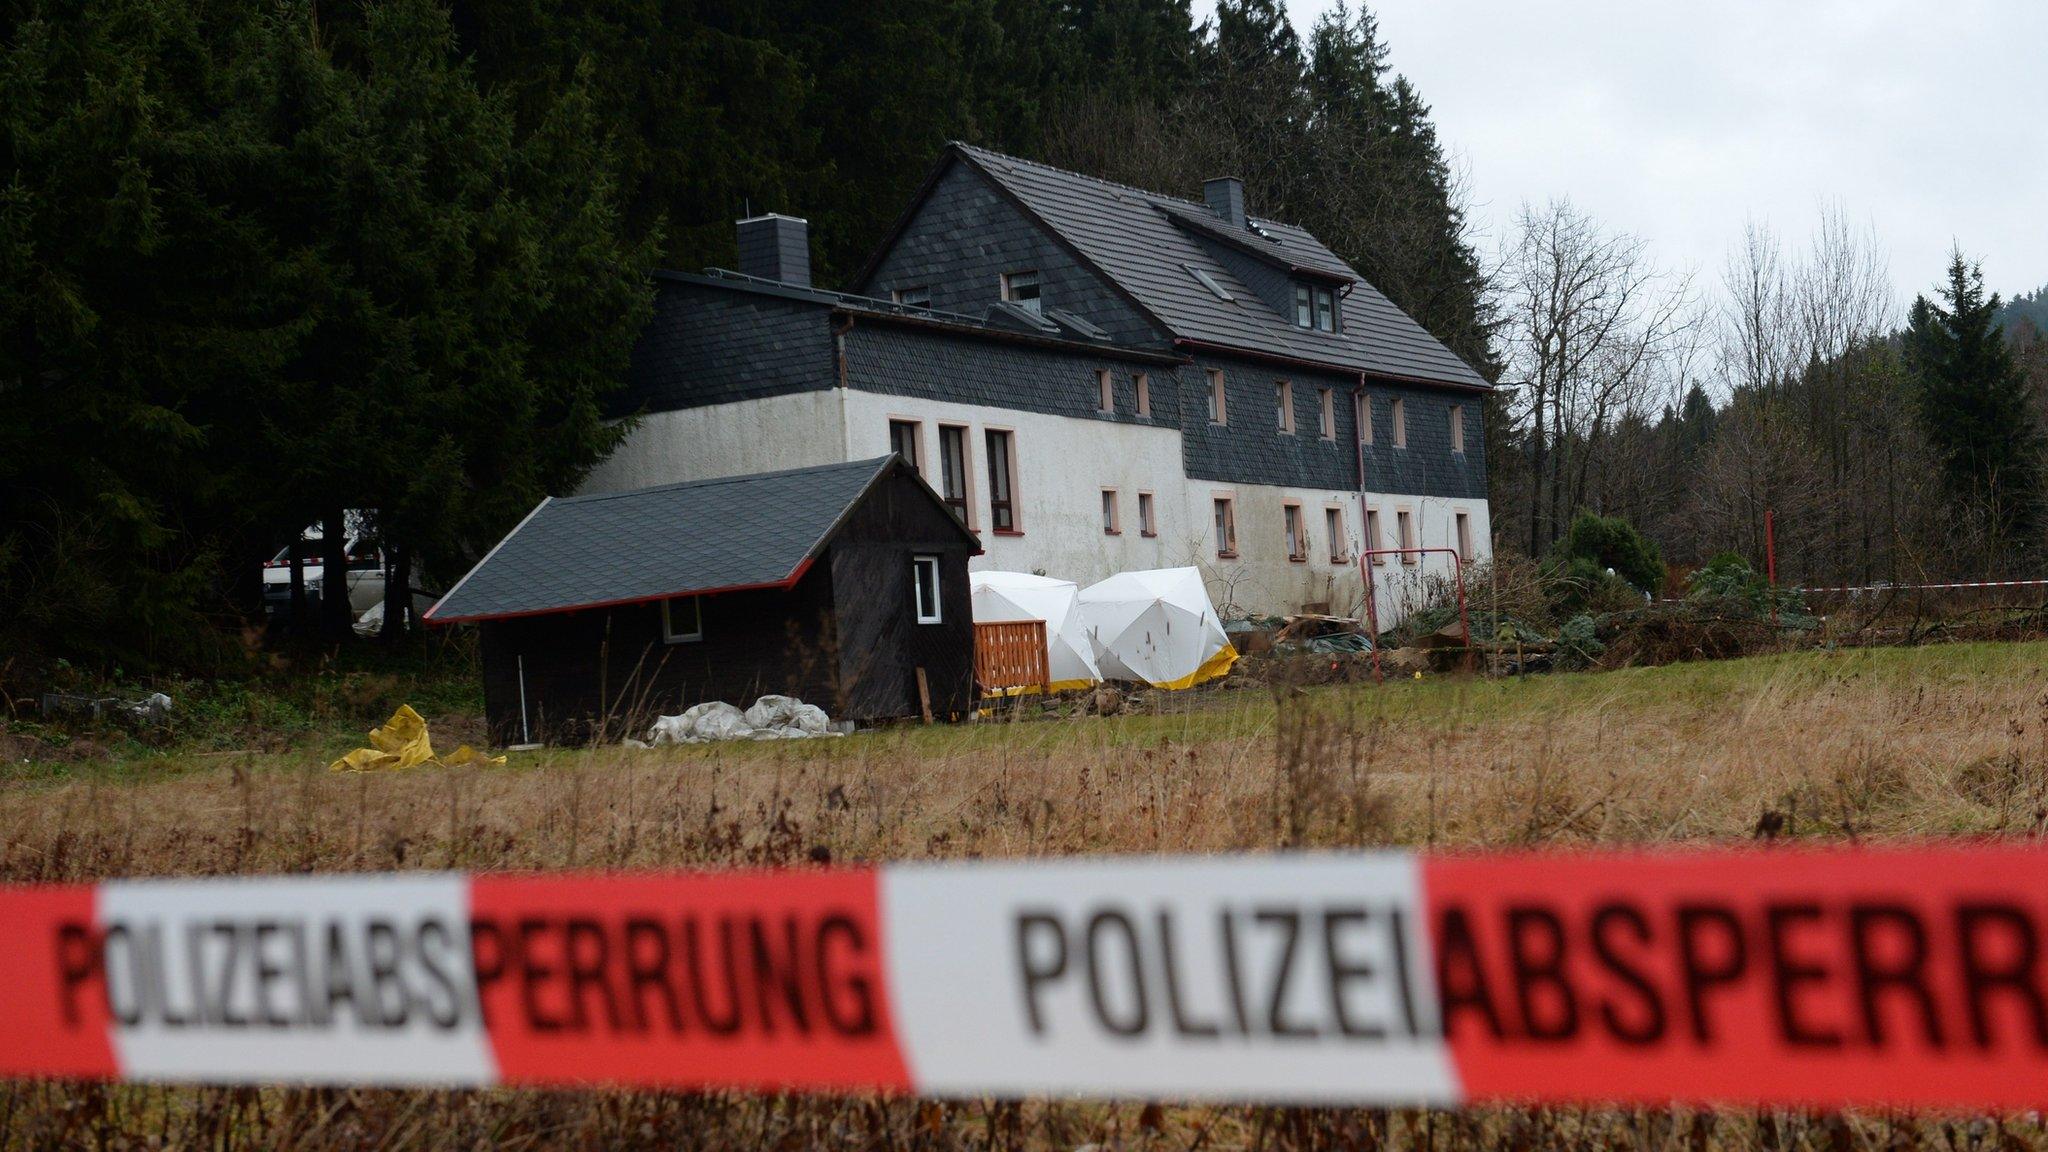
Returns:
point(757, 531)
point(1140, 240)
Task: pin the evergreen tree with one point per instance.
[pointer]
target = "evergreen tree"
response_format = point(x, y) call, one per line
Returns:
point(1976, 410)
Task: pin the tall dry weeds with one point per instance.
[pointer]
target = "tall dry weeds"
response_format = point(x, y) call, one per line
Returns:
point(1848, 747)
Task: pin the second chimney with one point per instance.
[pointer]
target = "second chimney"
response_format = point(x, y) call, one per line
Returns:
point(1225, 195)
point(774, 247)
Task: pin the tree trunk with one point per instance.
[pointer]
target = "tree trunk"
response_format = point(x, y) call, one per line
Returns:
point(335, 616)
point(297, 620)
point(397, 594)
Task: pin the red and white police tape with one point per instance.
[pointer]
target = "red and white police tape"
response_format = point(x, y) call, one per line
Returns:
point(1900, 977)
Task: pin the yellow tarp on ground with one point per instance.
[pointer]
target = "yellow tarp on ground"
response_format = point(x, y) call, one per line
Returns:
point(402, 743)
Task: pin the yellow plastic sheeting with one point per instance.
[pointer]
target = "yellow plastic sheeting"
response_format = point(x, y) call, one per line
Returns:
point(1214, 666)
point(403, 743)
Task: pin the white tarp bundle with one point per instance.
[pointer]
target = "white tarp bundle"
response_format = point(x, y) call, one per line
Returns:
point(1023, 596)
point(1156, 626)
point(771, 718)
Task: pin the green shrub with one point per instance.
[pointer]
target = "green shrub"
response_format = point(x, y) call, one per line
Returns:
point(1609, 542)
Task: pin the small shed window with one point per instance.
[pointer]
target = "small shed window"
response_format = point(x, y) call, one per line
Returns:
point(925, 575)
point(918, 297)
point(682, 619)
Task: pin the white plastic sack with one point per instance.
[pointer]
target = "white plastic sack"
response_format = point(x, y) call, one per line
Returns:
point(1024, 596)
point(776, 713)
point(771, 718)
point(1156, 626)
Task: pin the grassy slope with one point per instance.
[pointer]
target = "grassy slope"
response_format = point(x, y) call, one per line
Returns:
point(1888, 741)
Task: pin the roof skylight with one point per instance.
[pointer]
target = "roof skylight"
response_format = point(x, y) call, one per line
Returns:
point(1210, 283)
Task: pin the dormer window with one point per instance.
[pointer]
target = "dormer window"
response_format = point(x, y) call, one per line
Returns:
point(1315, 308)
point(1021, 289)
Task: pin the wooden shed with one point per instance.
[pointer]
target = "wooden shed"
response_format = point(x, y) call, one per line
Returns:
point(835, 584)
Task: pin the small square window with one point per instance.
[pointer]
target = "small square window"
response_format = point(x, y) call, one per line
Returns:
point(1283, 407)
point(1021, 289)
point(1226, 529)
point(1143, 384)
point(1326, 413)
point(1147, 524)
point(1333, 527)
point(924, 573)
point(1217, 413)
point(682, 619)
point(1112, 524)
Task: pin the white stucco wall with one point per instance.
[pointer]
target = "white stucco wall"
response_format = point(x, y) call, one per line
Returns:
point(1063, 464)
point(794, 431)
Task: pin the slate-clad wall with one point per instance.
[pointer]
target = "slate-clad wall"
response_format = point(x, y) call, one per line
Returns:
point(1427, 466)
point(1250, 448)
point(967, 235)
point(710, 345)
point(897, 360)
point(1272, 285)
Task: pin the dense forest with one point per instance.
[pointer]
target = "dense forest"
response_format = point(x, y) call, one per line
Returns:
point(269, 260)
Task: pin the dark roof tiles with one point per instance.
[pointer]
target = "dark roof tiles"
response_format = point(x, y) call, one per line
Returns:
point(1141, 240)
point(653, 543)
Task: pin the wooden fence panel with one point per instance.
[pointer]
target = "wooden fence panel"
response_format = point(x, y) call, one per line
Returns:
point(1011, 654)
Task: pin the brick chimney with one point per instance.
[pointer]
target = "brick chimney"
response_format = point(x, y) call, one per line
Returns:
point(774, 247)
point(1225, 195)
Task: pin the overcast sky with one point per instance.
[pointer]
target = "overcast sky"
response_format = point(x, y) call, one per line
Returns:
point(1679, 121)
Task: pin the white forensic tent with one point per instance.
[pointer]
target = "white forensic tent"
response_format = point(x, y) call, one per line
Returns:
point(1156, 626)
point(1023, 596)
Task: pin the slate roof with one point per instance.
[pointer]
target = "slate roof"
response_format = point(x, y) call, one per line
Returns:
point(1140, 240)
point(755, 531)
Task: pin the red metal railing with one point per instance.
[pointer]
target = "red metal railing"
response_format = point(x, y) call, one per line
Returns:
point(1372, 612)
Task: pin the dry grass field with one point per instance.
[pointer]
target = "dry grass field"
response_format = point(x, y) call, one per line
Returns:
point(1942, 740)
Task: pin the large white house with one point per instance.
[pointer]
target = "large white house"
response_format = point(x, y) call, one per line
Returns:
point(1095, 378)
